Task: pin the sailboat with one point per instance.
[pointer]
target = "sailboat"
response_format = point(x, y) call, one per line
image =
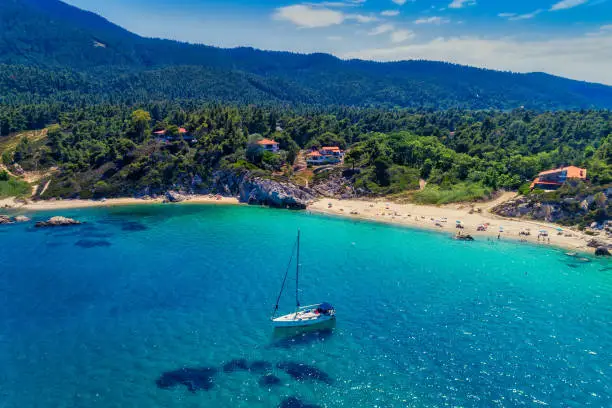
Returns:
point(304, 315)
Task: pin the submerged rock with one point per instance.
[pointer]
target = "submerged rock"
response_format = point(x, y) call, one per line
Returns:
point(302, 372)
point(91, 243)
point(269, 381)
point(57, 222)
point(239, 364)
point(22, 218)
point(193, 378)
point(260, 366)
point(602, 251)
point(464, 237)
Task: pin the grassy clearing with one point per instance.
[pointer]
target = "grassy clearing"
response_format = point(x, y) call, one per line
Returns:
point(14, 188)
point(458, 193)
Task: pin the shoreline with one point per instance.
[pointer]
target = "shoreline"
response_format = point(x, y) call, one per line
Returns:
point(381, 211)
point(44, 205)
point(420, 217)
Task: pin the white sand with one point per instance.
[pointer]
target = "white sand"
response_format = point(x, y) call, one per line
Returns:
point(67, 204)
point(422, 216)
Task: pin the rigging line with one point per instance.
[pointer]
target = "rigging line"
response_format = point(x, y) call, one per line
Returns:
point(284, 280)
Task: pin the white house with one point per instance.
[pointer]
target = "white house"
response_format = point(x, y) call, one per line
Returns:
point(269, 145)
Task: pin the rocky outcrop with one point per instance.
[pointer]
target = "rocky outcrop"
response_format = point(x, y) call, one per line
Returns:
point(22, 218)
point(602, 251)
point(596, 243)
point(337, 184)
point(57, 222)
point(252, 189)
point(274, 193)
point(175, 197)
point(5, 219)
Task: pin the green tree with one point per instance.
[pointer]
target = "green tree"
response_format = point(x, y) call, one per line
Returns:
point(141, 121)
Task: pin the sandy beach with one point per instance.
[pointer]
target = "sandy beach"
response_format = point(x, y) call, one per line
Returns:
point(436, 218)
point(11, 203)
point(444, 219)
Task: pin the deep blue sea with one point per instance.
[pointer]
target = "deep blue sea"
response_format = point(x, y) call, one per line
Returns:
point(169, 306)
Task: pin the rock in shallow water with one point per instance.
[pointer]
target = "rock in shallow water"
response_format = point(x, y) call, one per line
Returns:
point(5, 219)
point(21, 218)
point(302, 372)
point(269, 380)
point(239, 364)
point(57, 222)
point(602, 251)
point(91, 243)
point(193, 378)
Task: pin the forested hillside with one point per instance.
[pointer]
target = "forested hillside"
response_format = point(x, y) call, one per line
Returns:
point(52, 51)
point(110, 150)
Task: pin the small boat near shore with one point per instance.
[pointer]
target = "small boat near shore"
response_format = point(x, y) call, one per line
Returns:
point(303, 316)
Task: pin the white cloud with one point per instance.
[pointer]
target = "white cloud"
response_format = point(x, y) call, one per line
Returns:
point(584, 58)
point(399, 36)
point(389, 13)
point(400, 2)
point(457, 4)
point(567, 4)
point(607, 27)
point(514, 16)
point(361, 18)
point(334, 38)
point(432, 20)
point(381, 29)
point(309, 17)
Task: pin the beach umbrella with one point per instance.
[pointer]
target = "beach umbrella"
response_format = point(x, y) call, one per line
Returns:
point(560, 229)
point(458, 222)
point(543, 231)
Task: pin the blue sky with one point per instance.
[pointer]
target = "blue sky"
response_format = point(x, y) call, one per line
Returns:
point(571, 38)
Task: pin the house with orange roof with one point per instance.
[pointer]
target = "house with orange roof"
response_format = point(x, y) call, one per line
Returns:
point(326, 155)
point(162, 135)
point(269, 145)
point(553, 179)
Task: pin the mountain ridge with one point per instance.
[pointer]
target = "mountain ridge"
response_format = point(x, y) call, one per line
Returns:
point(55, 37)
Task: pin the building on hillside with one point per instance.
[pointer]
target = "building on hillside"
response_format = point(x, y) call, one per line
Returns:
point(553, 179)
point(327, 155)
point(162, 136)
point(269, 145)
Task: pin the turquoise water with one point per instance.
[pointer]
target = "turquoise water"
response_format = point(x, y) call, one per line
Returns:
point(93, 316)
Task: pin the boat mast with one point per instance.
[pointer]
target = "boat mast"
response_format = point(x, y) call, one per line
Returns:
point(297, 272)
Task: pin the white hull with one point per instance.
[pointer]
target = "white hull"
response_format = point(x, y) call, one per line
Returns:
point(295, 320)
point(304, 316)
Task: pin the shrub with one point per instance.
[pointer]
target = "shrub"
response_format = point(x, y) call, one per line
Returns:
point(14, 188)
point(458, 193)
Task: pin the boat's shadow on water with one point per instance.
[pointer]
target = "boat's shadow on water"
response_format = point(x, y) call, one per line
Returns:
point(287, 337)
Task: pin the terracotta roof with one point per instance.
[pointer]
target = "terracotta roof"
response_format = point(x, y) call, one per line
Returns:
point(572, 172)
point(159, 132)
point(182, 130)
point(267, 142)
point(333, 148)
point(314, 154)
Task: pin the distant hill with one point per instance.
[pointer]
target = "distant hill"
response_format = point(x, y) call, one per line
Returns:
point(49, 49)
